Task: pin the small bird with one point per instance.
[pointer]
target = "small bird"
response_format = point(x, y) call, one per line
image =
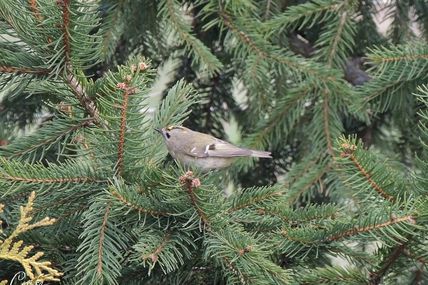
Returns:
point(206, 152)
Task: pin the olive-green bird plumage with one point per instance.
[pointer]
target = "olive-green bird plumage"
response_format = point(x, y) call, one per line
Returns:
point(206, 152)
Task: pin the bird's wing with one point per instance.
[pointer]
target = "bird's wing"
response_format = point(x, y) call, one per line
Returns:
point(225, 149)
point(217, 149)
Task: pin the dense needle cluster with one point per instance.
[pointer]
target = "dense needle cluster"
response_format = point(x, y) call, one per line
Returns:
point(341, 107)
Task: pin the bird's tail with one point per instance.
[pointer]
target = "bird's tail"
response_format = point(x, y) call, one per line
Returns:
point(259, 153)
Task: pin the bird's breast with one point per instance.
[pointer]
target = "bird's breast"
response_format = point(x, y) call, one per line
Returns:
point(204, 163)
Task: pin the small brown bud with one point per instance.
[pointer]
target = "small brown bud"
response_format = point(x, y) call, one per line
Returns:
point(196, 183)
point(122, 85)
point(128, 78)
point(154, 258)
point(143, 66)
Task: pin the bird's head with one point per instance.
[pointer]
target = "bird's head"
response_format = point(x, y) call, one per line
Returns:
point(173, 133)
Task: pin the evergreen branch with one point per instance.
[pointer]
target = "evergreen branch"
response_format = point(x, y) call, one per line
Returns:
point(1, 222)
point(245, 256)
point(263, 49)
point(376, 277)
point(267, 10)
point(332, 274)
point(49, 134)
point(262, 217)
point(138, 208)
point(410, 254)
point(191, 184)
point(82, 140)
point(397, 70)
point(124, 108)
point(307, 14)
point(71, 211)
point(65, 9)
point(244, 37)
point(326, 113)
point(19, 176)
point(292, 198)
point(253, 72)
point(177, 104)
point(165, 248)
point(185, 232)
point(195, 46)
point(101, 240)
point(419, 275)
point(282, 118)
point(356, 231)
point(113, 26)
point(24, 177)
point(375, 186)
point(46, 180)
point(379, 59)
point(244, 250)
point(24, 70)
point(18, 19)
point(378, 225)
point(85, 101)
point(310, 214)
point(325, 123)
point(243, 279)
point(154, 256)
point(348, 152)
point(253, 197)
point(125, 122)
point(10, 249)
point(381, 86)
point(308, 164)
point(304, 175)
point(272, 212)
point(256, 200)
point(301, 240)
point(35, 9)
point(336, 39)
point(407, 55)
point(400, 27)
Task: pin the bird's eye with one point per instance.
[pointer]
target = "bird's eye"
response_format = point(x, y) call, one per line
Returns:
point(167, 135)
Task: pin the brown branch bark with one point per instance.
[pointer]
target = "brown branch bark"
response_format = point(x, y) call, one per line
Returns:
point(64, 6)
point(85, 101)
point(356, 231)
point(376, 277)
point(35, 9)
point(348, 152)
point(120, 148)
point(23, 70)
point(191, 184)
point(154, 256)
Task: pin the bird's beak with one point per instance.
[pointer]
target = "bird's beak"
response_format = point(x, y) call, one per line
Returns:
point(158, 130)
